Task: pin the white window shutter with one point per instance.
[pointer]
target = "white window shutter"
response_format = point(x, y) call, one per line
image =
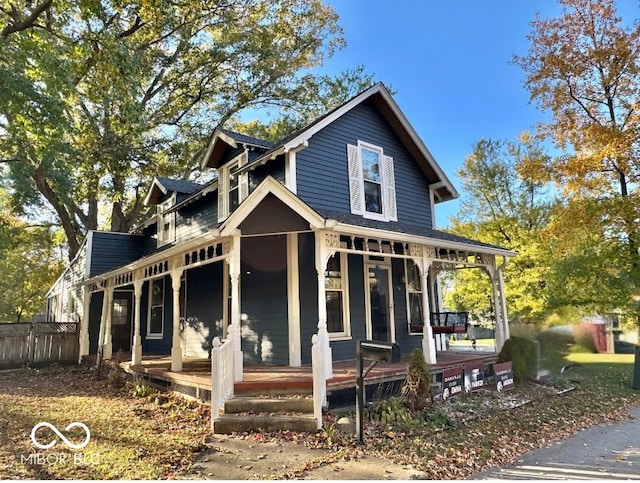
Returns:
point(391, 208)
point(243, 183)
point(356, 188)
point(223, 188)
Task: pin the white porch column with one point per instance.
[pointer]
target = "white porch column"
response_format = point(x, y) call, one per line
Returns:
point(293, 298)
point(497, 311)
point(108, 345)
point(84, 324)
point(323, 240)
point(234, 275)
point(136, 350)
point(176, 340)
point(505, 320)
point(428, 342)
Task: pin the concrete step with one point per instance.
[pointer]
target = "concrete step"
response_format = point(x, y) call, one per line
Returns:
point(238, 423)
point(268, 405)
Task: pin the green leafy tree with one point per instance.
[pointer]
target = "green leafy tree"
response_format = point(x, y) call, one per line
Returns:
point(97, 97)
point(505, 209)
point(583, 67)
point(29, 262)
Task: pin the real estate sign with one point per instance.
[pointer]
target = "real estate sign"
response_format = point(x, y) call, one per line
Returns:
point(504, 376)
point(452, 382)
point(474, 376)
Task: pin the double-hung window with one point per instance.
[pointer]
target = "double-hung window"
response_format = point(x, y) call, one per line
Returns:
point(414, 298)
point(233, 185)
point(166, 222)
point(371, 182)
point(335, 279)
point(156, 309)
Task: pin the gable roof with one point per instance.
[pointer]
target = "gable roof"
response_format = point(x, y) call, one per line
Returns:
point(161, 186)
point(224, 140)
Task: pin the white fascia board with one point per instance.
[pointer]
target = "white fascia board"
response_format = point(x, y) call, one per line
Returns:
point(270, 185)
point(217, 134)
point(423, 240)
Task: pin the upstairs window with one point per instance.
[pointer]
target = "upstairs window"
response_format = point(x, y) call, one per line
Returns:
point(166, 222)
point(371, 182)
point(233, 185)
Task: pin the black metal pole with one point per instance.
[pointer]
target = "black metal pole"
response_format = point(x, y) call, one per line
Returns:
point(359, 393)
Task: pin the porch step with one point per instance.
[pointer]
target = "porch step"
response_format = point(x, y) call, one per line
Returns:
point(232, 423)
point(268, 405)
point(286, 413)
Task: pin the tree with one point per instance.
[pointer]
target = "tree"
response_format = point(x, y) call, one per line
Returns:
point(98, 97)
point(583, 67)
point(29, 265)
point(503, 208)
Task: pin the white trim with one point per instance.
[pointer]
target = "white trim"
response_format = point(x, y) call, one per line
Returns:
point(346, 312)
point(293, 297)
point(386, 264)
point(88, 258)
point(290, 174)
point(270, 185)
point(217, 134)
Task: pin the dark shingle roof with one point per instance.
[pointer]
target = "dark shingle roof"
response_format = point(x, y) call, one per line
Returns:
point(394, 226)
point(250, 140)
point(179, 185)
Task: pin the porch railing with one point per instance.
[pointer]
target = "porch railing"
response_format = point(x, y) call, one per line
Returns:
point(449, 322)
point(222, 377)
point(320, 375)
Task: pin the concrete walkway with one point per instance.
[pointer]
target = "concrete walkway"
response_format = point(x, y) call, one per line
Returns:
point(610, 451)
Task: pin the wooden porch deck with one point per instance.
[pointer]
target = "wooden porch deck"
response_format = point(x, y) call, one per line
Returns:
point(195, 378)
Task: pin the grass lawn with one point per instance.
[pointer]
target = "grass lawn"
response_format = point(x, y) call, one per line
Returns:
point(156, 436)
point(131, 437)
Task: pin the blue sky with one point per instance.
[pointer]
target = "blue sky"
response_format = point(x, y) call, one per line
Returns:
point(449, 63)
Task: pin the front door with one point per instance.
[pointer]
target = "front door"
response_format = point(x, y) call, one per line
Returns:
point(121, 314)
point(379, 297)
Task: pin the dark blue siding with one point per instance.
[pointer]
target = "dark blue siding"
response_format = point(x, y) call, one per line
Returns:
point(197, 218)
point(346, 349)
point(112, 250)
point(95, 317)
point(204, 309)
point(157, 346)
point(308, 294)
point(406, 342)
point(273, 168)
point(265, 332)
point(322, 176)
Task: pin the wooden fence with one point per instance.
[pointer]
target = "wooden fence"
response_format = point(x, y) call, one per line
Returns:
point(38, 343)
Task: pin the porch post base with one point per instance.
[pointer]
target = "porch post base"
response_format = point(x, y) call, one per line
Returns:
point(429, 350)
point(238, 366)
point(136, 355)
point(84, 347)
point(176, 359)
point(107, 352)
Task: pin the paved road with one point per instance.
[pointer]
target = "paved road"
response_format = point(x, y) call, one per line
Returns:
point(610, 451)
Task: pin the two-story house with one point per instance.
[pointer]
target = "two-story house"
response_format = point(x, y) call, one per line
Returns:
point(330, 231)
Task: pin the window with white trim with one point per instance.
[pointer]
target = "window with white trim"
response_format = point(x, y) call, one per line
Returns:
point(415, 314)
point(335, 283)
point(233, 186)
point(166, 221)
point(371, 182)
point(155, 325)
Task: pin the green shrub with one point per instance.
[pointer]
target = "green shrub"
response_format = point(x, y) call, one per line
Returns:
point(523, 354)
point(417, 387)
point(392, 410)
